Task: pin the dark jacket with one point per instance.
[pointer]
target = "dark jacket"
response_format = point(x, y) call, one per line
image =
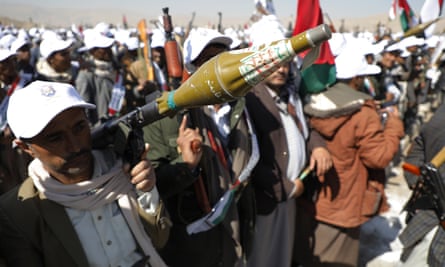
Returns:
point(270, 182)
point(36, 231)
point(425, 146)
point(221, 245)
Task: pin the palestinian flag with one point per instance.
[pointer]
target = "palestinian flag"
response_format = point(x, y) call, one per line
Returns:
point(408, 18)
point(321, 73)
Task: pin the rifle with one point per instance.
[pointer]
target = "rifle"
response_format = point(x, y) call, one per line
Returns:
point(220, 22)
point(430, 185)
point(127, 127)
point(172, 52)
point(142, 29)
point(190, 26)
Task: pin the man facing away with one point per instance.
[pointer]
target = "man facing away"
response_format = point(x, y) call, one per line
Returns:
point(351, 192)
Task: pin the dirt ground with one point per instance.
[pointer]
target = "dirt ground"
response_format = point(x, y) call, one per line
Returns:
point(380, 246)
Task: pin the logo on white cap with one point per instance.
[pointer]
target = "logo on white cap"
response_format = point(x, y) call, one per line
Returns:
point(48, 91)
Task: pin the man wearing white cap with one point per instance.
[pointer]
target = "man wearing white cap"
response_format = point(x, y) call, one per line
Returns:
point(13, 161)
point(157, 48)
point(22, 46)
point(129, 56)
point(423, 236)
point(387, 91)
point(415, 80)
point(353, 190)
point(145, 90)
point(55, 61)
point(79, 207)
point(198, 164)
point(102, 82)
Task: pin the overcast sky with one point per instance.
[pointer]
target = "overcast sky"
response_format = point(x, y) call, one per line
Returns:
point(285, 8)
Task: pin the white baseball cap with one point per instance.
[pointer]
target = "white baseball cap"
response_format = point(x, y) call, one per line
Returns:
point(351, 63)
point(233, 34)
point(19, 43)
point(51, 45)
point(395, 47)
point(412, 41)
point(198, 39)
point(157, 38)
point(31, 108)
point(6, 41)
point(133, 43)
point(5, 53)
point(97, 40)
point(267, 30)
point(103, 28)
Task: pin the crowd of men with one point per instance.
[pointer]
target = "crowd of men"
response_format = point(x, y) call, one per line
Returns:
point(278, 177)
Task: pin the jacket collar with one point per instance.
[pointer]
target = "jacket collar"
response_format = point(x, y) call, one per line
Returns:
point(338, 100)
point(57, 219)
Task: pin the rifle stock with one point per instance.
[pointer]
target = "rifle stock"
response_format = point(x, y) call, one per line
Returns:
point(430, 185)
point(172, 52)
point(190, 26)
point(220, 22)
point(439, 158)
point(142, 29)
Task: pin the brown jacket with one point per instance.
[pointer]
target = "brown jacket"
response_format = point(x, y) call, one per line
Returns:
point(353, 190)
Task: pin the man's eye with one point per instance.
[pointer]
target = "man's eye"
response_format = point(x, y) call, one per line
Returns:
point(80, 127)
point(54, 138)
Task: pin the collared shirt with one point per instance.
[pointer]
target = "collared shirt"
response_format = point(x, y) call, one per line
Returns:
point(221, 117)
point(295, 140)
point(104, 234)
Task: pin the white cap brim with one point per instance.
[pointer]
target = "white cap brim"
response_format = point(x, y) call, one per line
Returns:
point(6, 53)
point(31, 108)
point(369, 70)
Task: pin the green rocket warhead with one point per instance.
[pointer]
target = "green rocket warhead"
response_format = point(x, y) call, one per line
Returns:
point(227, 76)
point(232, 74)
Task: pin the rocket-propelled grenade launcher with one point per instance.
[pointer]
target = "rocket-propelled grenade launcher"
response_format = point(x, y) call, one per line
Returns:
point(225, 77)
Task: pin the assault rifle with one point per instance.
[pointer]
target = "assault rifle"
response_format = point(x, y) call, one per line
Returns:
point(129, 128)
point(430, 185)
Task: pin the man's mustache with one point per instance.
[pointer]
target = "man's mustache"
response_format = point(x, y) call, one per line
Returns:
point(76, 155)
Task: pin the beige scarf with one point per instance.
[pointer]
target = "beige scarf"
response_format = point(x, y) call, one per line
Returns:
point(114, 185)
point(46, 70)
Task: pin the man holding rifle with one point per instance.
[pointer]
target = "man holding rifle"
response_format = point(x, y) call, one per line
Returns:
point(79, 207)
point(423, 236)
point(199, 155)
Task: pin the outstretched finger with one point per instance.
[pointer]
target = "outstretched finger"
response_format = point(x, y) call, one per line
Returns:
point(183, 125)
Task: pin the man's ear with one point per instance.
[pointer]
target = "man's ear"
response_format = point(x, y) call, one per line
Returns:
point(24, 146)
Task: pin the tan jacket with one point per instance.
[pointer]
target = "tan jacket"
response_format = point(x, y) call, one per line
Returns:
point(36, 231)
